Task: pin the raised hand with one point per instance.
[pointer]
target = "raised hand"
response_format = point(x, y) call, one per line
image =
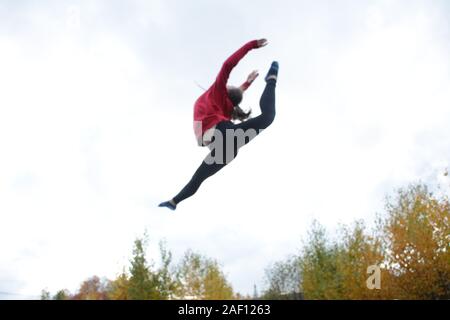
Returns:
point(262, 43)
point(252, 76)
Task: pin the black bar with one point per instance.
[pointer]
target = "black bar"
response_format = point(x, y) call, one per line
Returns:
point(235, 309)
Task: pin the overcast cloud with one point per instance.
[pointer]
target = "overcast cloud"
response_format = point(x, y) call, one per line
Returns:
point(96, 105)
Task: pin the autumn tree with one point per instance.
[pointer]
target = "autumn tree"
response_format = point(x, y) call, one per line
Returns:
point(326, 269)
point(119, 287)
point(201, 278)
point(410, 244)
point(410, 247)
point(357, 250)
point(416, 238)
point(93, 288)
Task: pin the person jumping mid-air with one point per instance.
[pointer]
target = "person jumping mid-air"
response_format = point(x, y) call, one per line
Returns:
point(214, 112)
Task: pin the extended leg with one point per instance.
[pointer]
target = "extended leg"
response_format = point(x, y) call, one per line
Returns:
point(203, 172)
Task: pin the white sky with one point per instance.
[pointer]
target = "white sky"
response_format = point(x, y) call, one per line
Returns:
point(96, 105)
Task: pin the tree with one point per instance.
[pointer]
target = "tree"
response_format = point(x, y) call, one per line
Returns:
point(318, 264)
point(356, 252)
point(201, 278)
point(62, 295)
point(168, 285)
point(283, 280)
point(120, 288)
point(416, 239)
point(143, 282)
point(325, 269)
point(45, 295)
point(216, 286)
point(411, 245)
point(93, 289)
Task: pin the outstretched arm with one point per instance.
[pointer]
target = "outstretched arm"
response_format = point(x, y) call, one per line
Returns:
point(233, 60)
point(251, 77)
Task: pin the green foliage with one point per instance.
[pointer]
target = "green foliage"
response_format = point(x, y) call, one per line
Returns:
point(168, 284)
point(119, 288)
point(410, 244)
point(318, 265)
point(45, 295)
point(143, 283)
point(201, 278)
point(283, 280)
point(356, 251)
point(195, 277)
point(62, 295)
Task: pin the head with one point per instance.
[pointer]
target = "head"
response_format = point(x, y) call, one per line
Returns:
point(235, 95)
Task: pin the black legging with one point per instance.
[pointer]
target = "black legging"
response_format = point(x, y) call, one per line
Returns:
point(261, 122)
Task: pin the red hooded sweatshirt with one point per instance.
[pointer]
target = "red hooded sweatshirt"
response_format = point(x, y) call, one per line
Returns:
point(214, 105)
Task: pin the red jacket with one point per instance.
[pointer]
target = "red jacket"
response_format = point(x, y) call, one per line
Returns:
point(214, 105)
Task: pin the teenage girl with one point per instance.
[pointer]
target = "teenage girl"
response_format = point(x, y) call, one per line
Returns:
point(214, 112)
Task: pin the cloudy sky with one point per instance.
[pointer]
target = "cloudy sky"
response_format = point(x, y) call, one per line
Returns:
point(96, 105)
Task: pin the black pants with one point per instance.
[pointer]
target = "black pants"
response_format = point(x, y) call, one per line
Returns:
point(224, 128)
